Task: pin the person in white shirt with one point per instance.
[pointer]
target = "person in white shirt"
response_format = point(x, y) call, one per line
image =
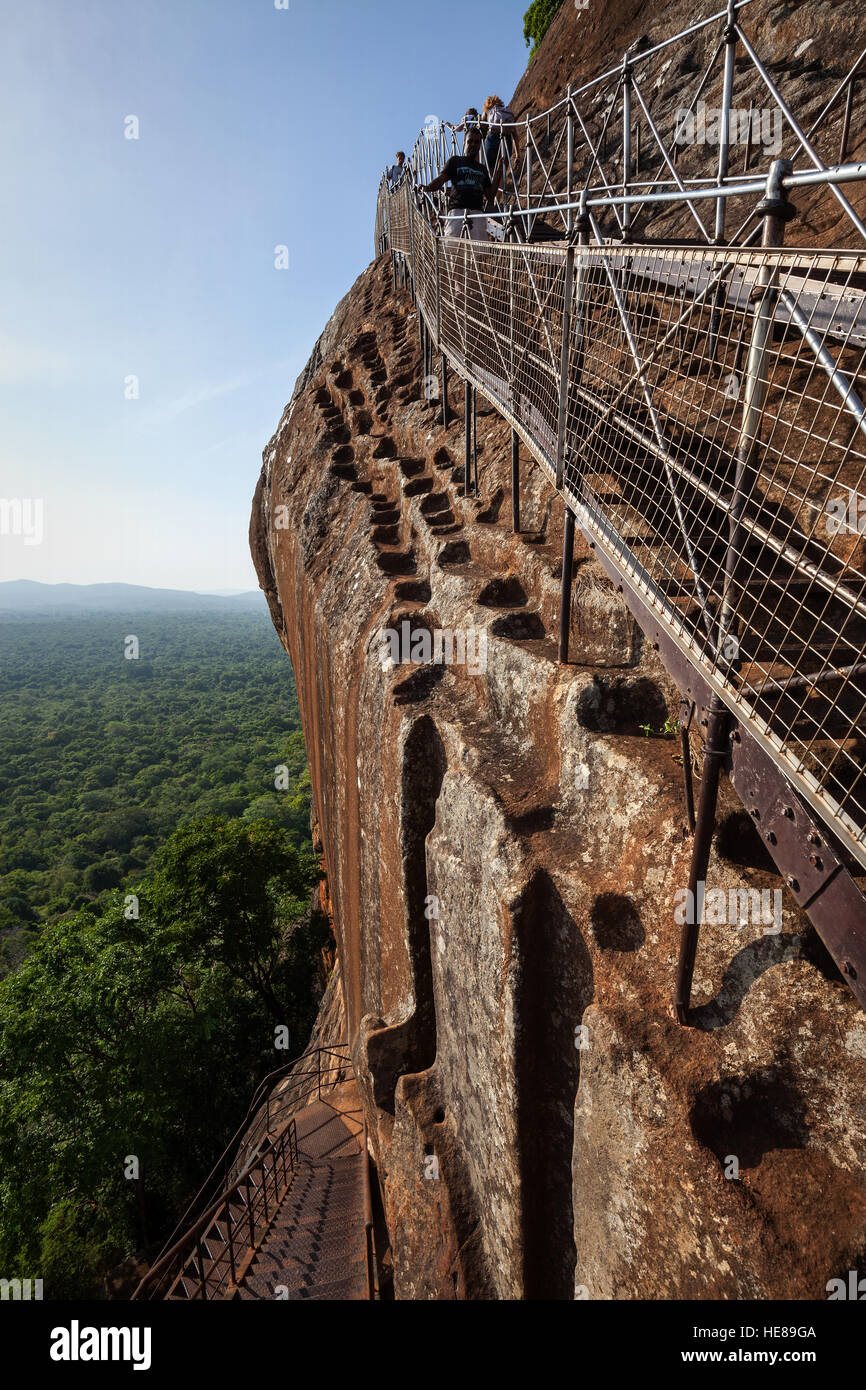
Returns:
point(497, 125)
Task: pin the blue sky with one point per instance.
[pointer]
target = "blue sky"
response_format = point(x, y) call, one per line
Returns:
point(153, 258)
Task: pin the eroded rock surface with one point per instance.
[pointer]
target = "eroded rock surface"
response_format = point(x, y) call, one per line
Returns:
point(503, 851)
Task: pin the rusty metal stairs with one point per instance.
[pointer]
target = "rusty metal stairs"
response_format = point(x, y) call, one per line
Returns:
point(315, 1247)
point(287, 1212)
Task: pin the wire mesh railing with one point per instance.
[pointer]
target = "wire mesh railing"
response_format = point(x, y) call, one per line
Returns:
point(699, 406)
point(633, 374)
point(646, 141)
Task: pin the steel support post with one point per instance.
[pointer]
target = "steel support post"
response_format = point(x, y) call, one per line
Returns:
point(565, 587)
point(231, 1240)
point(716, 749)
point(569, 158)
point(722, 173)
point(529, 218)
point(579, 298)
point(776, 211)
point(474, 443)
point(724, 128)
point(626, 148)
point(467, 422)
point(564, 365)
point(444, 392)
point(410, 203)
point(250, 1215)
point(438, 299)
point(687, 711)
point(515, 481)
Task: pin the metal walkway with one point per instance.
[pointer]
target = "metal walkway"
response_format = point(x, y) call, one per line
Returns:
point(699, 409)
point(315, 1247)
point(287, 1212)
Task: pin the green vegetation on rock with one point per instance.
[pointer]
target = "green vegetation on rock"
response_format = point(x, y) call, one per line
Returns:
point(537, 21)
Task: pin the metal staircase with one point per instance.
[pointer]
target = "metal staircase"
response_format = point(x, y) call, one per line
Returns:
point(287, 1210)
point(698, 406)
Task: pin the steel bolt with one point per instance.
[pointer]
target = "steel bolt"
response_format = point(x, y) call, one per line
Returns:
point(770, 837)
point(793, 883)
point(816, 861)
point(787, 812)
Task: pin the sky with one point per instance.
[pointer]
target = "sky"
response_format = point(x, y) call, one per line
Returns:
point(156, 153)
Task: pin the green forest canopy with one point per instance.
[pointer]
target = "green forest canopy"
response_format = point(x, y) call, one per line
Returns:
point(156, 921)
point(130, 1046)
point(102, 757)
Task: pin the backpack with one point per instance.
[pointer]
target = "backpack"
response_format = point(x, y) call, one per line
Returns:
point(502, 115)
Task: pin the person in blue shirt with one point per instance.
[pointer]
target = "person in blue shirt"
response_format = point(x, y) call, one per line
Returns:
point(398, 171)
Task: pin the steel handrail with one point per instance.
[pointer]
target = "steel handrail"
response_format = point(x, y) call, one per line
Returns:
point(221, 1168)
point(501, 316)
point(192, 1238)
point(617, 191)
point(369, 1223)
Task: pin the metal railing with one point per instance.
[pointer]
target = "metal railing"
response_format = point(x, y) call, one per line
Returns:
point(700, 410)
point(277, 1097)
point(212, 1259)
point(369, 1223)
point(615, 143)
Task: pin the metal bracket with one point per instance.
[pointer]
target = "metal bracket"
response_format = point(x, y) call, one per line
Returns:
point(814, 872)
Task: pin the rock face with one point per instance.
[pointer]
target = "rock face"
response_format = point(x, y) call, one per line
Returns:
point(505, 836)
point(504, 842)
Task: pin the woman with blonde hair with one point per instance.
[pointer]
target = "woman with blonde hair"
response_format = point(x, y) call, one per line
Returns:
point(497, 122)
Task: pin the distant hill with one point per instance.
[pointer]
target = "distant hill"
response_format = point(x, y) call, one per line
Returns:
point(26, 596)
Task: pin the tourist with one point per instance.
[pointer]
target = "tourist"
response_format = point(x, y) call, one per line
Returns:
point(470, 122)
point(497, 122)
point(470, 188)
point(398, 171)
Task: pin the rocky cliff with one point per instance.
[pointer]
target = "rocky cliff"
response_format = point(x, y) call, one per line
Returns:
point(504, 839)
